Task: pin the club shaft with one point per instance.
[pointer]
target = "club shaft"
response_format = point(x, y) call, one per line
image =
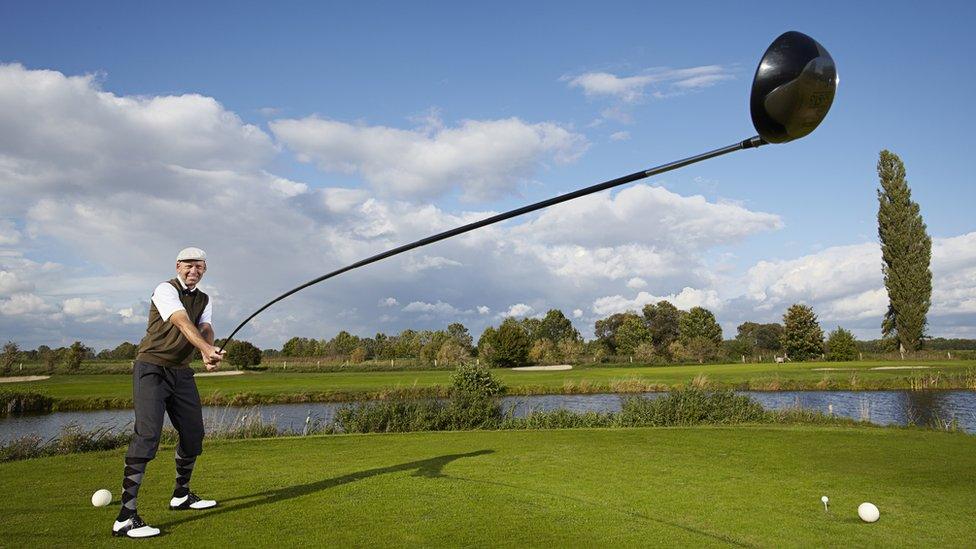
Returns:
point(752, 142)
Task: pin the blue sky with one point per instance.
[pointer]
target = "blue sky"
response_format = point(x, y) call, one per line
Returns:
point(178, 124)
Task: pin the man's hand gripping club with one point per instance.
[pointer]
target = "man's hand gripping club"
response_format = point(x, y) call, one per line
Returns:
point(202, 339)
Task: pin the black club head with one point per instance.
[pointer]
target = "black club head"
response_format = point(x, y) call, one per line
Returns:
point(793, 88)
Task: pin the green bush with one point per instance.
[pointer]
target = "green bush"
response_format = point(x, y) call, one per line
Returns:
point(71, 439)
point(473, 380)
point(473, 405)
point(690, 406)
point(452, 352)
point(74, 356)
point(11, 354)
point(74, 439)
point(506, 347)
point(559, 419)
point(243, 354)
point(25, 447)
point(394, 416)
point(841, 346)
point(474, 398)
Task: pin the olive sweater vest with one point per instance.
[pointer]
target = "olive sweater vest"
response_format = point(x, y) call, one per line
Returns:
point(164, 343)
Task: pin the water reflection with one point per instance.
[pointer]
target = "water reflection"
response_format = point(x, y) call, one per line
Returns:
point(927, 408)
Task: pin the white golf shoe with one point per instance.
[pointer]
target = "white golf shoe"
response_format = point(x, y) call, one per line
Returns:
point(133, 527)
point(191, 501)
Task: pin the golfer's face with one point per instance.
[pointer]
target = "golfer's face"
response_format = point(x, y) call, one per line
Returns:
point(191, 271)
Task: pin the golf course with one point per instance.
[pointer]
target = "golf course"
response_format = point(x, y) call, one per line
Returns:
point(115, 391)
point(487, 275)
point(700, 486)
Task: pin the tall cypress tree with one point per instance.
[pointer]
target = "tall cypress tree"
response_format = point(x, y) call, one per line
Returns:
point(906, 250)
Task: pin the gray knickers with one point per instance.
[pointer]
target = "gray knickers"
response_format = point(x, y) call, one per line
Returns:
point(156, 389)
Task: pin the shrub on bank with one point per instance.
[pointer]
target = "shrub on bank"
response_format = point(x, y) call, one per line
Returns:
point(473, 405)
point(559, 419)
point(24, 402)
point(691, 406)
point(394, 416)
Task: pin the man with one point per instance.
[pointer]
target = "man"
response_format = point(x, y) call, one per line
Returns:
point(179, 323)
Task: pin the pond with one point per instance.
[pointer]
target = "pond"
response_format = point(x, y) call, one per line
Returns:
point(925, 408)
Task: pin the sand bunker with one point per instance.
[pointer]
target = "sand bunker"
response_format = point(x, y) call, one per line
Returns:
point(16, 379)
point(833, 369)
point(214, 374)
point(544, 368)
point(901, 368)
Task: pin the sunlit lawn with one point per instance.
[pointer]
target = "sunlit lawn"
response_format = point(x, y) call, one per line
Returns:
point(751, 486)
point(754, 376)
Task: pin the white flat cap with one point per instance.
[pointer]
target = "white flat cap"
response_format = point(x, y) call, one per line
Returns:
point(191, 254)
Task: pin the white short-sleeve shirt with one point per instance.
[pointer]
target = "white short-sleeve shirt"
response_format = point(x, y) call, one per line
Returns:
point(167, 301)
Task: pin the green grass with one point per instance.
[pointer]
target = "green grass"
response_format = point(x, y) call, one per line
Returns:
point(751, 486)
point(104, 391)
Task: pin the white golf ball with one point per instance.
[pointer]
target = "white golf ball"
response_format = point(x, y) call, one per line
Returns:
point(868, 512)
point(824, 499)
point(101, 498)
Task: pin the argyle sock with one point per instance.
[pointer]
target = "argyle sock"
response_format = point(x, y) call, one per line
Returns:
point(184, 468)
point(135, 468)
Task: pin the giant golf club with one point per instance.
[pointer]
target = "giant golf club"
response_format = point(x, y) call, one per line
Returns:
point(791, 93)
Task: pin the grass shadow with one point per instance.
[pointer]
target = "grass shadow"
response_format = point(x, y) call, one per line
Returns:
point(430, 468)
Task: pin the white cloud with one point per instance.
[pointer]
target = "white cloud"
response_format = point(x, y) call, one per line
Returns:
point(388, 302)
point(665, 82)
point(129, 315)
point(831, 273)
point(627, 88)
point(865, 305)
point(612, 263)
point(287, 187)
point(480, 158)
point(636, 283)
point(439, 308)
point(63, 134)
point(686, 299)
point(619, 136)
point(341, 200)
point(648, 215)
point(577, 313)
point(954, 275)
point(11, 284)
point(23, 304)
point(517, 310)
point(85, 309)
point(483, 310)
point(844, 284)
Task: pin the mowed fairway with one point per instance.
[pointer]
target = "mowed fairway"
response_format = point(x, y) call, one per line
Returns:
point(346, 384)
point(748, 486)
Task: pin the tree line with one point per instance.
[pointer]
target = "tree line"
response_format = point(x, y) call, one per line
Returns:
point(69, 358)
point(659, 334)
